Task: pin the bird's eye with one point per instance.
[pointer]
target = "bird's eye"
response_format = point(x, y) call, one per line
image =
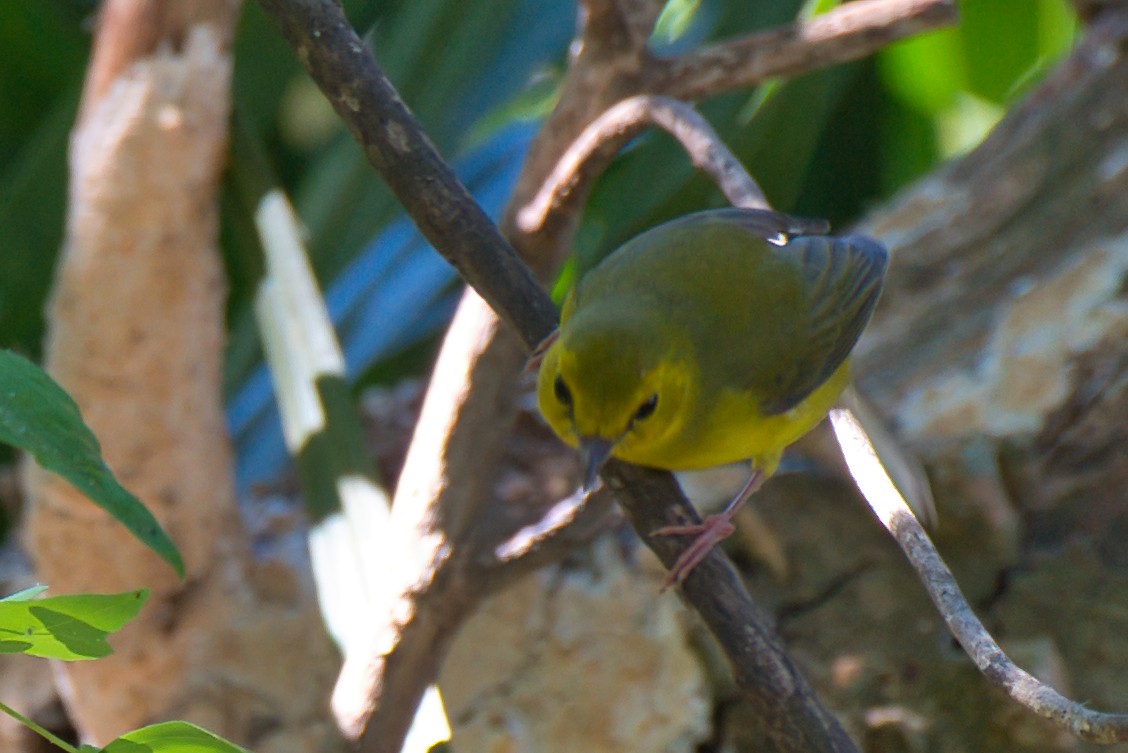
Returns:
point(646, 410)
point(563, 394)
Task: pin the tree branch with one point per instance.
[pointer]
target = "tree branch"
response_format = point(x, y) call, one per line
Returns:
point(850, 31)
point(137, 337)
point(615, 25)
point(604, 74)
point(1041, 208)
point(441, 207)
point(893, 512)
point(567, 186)
point(767, 678)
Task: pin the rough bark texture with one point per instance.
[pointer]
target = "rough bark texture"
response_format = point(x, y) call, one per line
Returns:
point(588, 657)
point(136, 336)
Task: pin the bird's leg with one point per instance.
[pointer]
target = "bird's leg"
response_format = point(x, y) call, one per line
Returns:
point(712, 531)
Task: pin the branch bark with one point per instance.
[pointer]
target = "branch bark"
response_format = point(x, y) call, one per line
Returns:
point(566, 188)
point(444, 211)
point(893, 512)
point(1003, 320)
point(849, 32)
point(607, 71)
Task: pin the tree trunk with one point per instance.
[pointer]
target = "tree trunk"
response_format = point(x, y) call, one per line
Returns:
point(136, 336)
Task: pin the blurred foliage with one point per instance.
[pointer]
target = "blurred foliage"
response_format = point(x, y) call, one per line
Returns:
point(828, 144)
point(45, 49)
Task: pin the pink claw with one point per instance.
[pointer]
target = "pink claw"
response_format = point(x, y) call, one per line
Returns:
point(713, 531)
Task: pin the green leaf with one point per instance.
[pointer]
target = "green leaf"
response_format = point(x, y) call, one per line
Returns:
point(1057, 28)
point(79, 639)
point(46, 48)
point(1000, 43)
point(172, 737)
point(37, 416)
point(926, 72)
point(70, 628)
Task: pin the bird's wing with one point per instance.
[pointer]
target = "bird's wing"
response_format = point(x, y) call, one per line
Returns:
point(768, 224)
point(841, 279)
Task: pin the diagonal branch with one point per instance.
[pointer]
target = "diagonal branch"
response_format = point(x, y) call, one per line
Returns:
point(768, 680)
point(850, 31)
point(394, 143)
point(318, 30)
point(893, 512)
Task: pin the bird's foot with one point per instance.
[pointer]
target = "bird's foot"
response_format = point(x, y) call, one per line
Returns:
point(537, 355)
point(715, 529)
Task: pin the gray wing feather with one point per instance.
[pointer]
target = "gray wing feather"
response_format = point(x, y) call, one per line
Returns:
point(843, 276)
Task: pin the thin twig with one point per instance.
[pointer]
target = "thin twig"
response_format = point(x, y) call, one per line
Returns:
point(569, 518)
point(894, 513)
point(342, 66)
point(614, 65)
point(567, 186)
point(848, 32)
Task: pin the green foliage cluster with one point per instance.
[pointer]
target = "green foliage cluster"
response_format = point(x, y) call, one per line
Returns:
point(38, 417)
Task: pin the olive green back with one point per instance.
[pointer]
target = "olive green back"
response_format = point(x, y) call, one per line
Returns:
point(799, 308)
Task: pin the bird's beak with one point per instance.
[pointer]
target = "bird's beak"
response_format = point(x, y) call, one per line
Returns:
point(593, 453)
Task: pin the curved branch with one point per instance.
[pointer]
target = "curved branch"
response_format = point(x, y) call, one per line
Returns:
point(343, 67)
point(894, 513)
point(567, 186)
point(594, 82)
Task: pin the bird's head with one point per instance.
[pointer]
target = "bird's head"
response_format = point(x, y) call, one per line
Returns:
point(613, 385)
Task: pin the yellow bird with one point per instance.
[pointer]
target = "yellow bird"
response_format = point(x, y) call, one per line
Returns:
point(716, 337)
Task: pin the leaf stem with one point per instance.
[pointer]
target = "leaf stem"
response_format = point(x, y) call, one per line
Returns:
point(48, 736)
